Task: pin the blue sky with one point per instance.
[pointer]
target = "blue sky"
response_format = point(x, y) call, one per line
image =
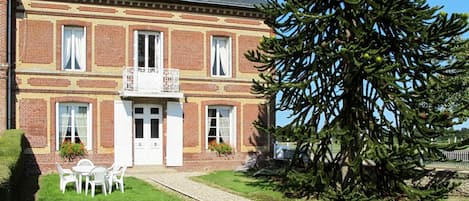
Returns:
point(450, 6)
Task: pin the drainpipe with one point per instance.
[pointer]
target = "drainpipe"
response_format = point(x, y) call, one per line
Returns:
point(10, 63)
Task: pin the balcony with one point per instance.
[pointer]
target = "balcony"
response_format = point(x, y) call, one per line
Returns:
point(156, 83)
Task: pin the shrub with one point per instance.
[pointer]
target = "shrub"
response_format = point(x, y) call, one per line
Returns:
point(10, 164)
point(70, 151)
point(221, 149)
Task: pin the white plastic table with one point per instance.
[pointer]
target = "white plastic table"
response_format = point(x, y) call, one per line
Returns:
point(81, 171)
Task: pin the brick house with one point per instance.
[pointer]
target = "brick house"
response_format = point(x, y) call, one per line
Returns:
point(138, 82)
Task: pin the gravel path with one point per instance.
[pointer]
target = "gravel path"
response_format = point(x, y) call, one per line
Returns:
point(180, 182)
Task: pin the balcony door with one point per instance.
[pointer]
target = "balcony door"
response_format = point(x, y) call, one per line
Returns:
point(148, 144)
point(148, 57)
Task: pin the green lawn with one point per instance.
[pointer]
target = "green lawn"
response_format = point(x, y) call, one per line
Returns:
point(239, 183)
point(135, 189)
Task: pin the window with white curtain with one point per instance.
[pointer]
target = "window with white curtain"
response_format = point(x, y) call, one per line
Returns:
point(221, 125)
point(74, 124)
point(148, 52)
point(220, 61)
point(73, 48)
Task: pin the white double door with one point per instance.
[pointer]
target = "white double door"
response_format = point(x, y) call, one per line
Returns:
point(148, 144)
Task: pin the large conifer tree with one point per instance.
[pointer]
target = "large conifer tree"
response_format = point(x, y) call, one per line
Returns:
point(369, 75)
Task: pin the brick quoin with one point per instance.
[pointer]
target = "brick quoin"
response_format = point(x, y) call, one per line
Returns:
point(247, 43)
point(191, 125)
point(240, 21)
point(97, 83)
point(111, 48)
point(34, 47)
point(97, 9)
point(150, 14)
point(3, 33)
point(107, 123)
point(53, 82)
point(199, 17)
point(238, 88)
point(33, 120)
point(186, 50)
point(49, 6)
point(253, 112)
point(198, 87)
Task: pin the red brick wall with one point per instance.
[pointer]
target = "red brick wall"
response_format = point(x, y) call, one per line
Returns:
point(198, 87)
point(247, 43)
point(251, 113)
point(186, 50)
point(33, 120)
point(3, 102)
point(34, 47)
point(110, 45)
point(237, 88)
point(191, 125)
point(107, 123)
point(97, 83)
point(49, 82)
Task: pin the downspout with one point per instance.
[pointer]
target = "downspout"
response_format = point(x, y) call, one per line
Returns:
point(10, 64)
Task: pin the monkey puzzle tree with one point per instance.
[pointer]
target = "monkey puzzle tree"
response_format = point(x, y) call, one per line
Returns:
point(369, 75)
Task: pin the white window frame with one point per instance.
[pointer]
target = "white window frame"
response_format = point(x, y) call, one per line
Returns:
point(158, 49)
point(216, 53)
point(73, 53)
point(89, 140)
point(232, 124)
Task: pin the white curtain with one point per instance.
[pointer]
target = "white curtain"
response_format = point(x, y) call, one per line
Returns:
point(224, 125)
point(80, 48)
point(67, 48)
point(81, 114)
point(214, 55)
point(64, 117)
point(223, 55)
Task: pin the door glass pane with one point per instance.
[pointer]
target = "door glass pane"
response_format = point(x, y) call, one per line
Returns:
point(138, 110)
point(155, 132)
point(151, 51)
point(155, 110)
point(138, 128)
point(141, 50)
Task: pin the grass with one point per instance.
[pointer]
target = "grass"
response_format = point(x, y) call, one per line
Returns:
point(135, 189)
point(243, 185)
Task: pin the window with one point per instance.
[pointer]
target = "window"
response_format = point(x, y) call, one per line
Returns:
point(73, 48)
point(220, 125)
point(220, 61)
point(74, 124)
point(148, 52)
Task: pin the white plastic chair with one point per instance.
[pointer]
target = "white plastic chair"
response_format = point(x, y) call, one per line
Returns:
point(117, 177)
point(85, 162)
point(66, 176)
point(99, 176)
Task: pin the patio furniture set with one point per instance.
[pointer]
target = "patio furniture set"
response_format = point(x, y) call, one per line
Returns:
point(94, 176)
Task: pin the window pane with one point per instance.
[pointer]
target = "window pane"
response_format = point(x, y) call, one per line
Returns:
point(138, 110)
point(141, 50)
point(212, 112)
point(154, 128)
point(212, 132)
point(213, 122)
point(151, 50)
point(155, 110)
point(80, 133)
point(138, 128)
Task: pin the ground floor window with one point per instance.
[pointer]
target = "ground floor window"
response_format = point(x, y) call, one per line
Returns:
point(221, 125)
point(74, 124)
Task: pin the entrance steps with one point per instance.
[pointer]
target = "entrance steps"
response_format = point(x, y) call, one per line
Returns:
point(148, 169)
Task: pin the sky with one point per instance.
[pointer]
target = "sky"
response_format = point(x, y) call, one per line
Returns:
point(450, 6)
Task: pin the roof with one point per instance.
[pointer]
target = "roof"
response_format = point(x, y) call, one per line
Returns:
point(234, 3)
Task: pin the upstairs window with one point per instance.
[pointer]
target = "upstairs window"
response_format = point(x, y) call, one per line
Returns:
point(220, 61)
point(74, 48)
point(148, 52)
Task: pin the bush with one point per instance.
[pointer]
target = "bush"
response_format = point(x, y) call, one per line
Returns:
point(221, 149)
point(10, 163)
point(70, 150)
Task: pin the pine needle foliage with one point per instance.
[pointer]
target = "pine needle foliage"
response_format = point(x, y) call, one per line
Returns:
point(371, 76)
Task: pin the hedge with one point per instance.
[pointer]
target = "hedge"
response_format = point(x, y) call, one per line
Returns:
point(11, 165)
